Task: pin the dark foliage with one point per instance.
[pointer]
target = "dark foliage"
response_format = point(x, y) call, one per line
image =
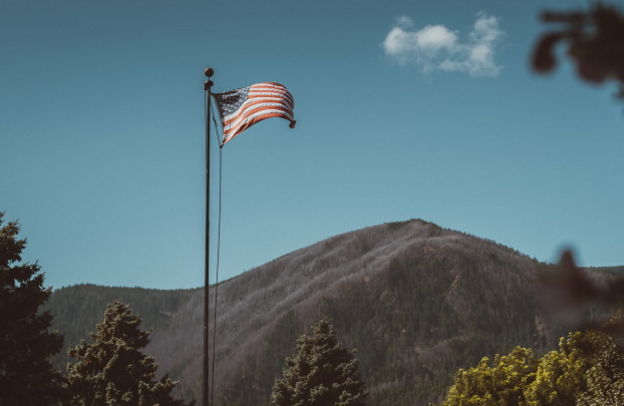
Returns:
point(26, 375)
point(595, 43)
point(113, 370)
point(322, 373)
point(77, 309)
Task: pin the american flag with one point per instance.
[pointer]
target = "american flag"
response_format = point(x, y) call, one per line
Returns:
point(241, 108)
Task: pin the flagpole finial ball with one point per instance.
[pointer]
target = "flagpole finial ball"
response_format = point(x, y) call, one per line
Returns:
point(209, 72)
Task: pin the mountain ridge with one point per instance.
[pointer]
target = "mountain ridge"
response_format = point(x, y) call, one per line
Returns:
point(416, 300)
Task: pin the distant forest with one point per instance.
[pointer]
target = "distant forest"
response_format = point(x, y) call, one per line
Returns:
point(416, 301)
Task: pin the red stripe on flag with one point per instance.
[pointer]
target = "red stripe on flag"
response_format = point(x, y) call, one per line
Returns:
point(264, 100)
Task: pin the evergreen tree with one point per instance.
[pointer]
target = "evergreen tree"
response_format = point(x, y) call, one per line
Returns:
point(322, 373)
point(112, 371)
point(26, 374)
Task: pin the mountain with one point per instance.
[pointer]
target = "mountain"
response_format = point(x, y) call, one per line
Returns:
point(417, 301)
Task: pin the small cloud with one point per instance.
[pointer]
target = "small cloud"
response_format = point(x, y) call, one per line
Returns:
point(436, 38)
point(404, 22)
point(436, 48)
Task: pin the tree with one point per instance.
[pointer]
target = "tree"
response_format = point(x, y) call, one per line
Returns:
point(502, 383)
point(560, 375)
point(604, 378)
point(112, 371)
point(322, 373)
point(26, 374)
point(588, 369)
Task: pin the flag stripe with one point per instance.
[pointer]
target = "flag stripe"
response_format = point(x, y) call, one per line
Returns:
point(228, 124)
point(254, 115)
point(271, 92)
point(241, 108)
point(252, 102)
point(230, 120)
point(253, 119)
point(266, 96)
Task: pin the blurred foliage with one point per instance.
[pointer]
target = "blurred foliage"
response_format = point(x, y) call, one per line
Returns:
point(594, 41)
point(579, 299)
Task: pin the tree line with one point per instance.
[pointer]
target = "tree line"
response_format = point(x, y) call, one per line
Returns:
point(112, 369)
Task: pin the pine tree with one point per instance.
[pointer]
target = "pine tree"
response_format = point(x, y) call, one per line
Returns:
point(112, 371)
point(322, 373)
point(26, 374)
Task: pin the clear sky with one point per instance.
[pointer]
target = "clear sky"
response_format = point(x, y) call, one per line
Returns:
point(405, 109)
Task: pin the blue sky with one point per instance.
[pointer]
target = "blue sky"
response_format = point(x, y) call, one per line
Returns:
point(405, 109)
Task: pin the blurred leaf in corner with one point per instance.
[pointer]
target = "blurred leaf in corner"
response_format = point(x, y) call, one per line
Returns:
point(569, 294)
point(595, 43)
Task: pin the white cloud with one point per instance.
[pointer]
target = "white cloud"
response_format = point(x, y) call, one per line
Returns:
point(404, 22)
point(435, 38)
point(435, 47)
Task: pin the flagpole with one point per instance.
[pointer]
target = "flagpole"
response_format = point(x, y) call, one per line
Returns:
point(207, 85)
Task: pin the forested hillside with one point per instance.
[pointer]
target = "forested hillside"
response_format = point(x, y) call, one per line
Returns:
point(77, 310)
point(416, 301)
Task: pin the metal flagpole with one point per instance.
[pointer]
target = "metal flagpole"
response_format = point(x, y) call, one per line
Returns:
point(207, 85)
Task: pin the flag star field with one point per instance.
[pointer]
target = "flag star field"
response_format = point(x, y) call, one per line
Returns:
point(233, 100)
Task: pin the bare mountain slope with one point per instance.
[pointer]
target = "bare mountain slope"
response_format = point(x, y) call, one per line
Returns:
point(410, 296)
point(417, 301)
